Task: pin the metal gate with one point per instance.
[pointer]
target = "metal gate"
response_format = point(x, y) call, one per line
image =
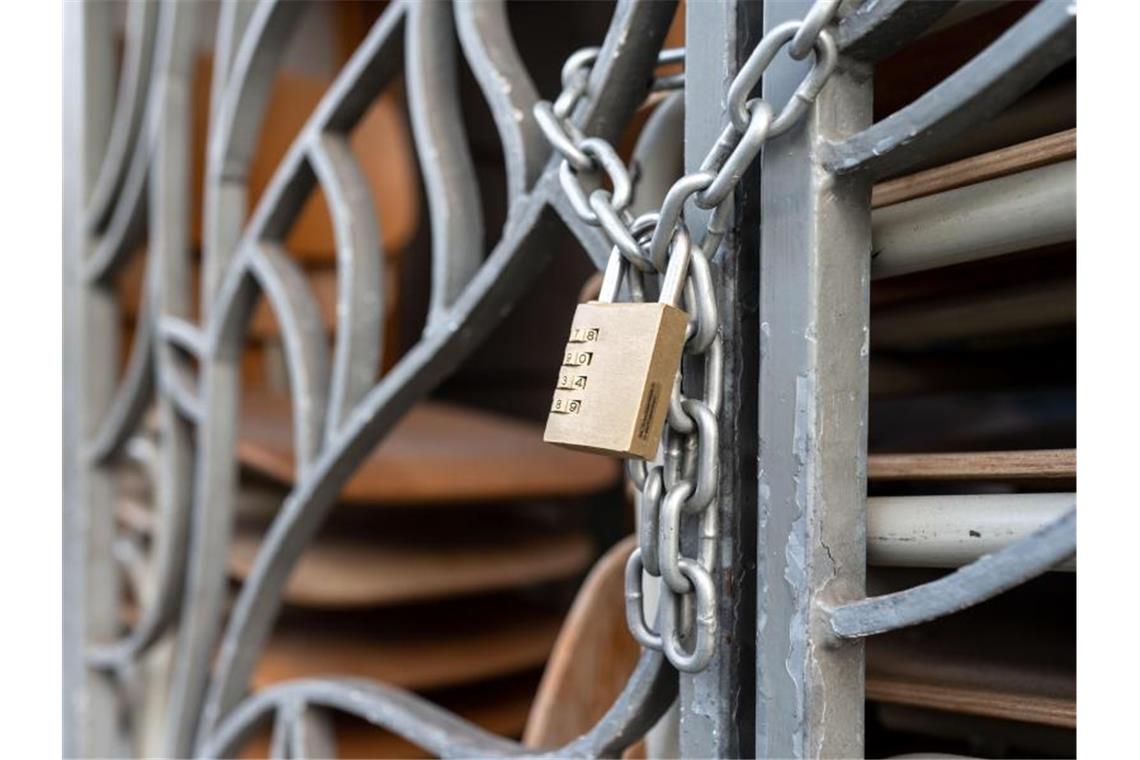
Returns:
point(792, 276)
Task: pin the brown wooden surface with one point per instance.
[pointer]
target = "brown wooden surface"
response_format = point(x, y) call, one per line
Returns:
point(1027, 708)
point(438, 453)
point(357, 569)
point(975, 465)
point(418, 648)
point(998, 163)
point(592, 658)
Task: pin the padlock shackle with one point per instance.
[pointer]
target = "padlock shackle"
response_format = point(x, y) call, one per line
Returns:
point(677, 270)
point(611, 279)
point(618, 269)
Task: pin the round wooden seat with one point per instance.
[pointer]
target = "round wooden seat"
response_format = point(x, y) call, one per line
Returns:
point(438, 453)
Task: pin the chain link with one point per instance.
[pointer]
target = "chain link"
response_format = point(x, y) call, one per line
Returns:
point(682, 486)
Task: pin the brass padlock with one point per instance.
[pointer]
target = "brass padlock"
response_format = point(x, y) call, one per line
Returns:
point(619, 367)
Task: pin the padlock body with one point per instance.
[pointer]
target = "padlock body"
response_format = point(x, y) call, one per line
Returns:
point(617, 372)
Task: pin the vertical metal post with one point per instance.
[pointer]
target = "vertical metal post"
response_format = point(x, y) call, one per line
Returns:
point(815, 250)
point(90, 325)
point(716, 705)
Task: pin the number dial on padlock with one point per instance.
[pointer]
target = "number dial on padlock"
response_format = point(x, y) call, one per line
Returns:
point(617, 372)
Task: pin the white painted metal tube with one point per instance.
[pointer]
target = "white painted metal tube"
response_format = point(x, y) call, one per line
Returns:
point(1026, 210)
point(952, 531)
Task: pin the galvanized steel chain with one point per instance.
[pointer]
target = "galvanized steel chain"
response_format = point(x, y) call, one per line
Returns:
point(682, 483)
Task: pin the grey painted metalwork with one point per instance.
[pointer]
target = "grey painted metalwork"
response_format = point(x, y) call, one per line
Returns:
point(776, 566)
point(1038, 43)
point(716, 704)
point(876, 28)
point(978, 581)
point(815, 253)
point(651, 688)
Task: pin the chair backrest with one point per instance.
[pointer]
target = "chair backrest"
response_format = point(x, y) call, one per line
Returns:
point(592, 658)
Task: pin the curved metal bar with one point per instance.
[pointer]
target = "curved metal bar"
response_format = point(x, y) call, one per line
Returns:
point(876, 28)
point(306, 349)
point(134, 391)
point(212, 511)
point(170, 237)
point(1042, 40)
point(178, 384)
point(130, 107)
point(129, 554)
point(224, 202)
point(233, 18)
point(181, 334)
point(967, 586)
point(401, 712)
point(172, 76)
point(650, 691)
point(168, 551)
point(246, 89)
point(235, 124)
point(359, 273)
point(312, 735)
point(623, 74)
point(450, 186)
point(128, 219)
point(283, 721)
point(651, 688)
point(618, 83)
point(489, 46)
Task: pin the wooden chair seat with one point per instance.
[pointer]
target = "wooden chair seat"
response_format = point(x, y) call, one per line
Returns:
point(420, 648)
point(438, 453)
point(384, 568)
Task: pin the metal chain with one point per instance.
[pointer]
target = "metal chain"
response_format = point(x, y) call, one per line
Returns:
point(683, 482)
